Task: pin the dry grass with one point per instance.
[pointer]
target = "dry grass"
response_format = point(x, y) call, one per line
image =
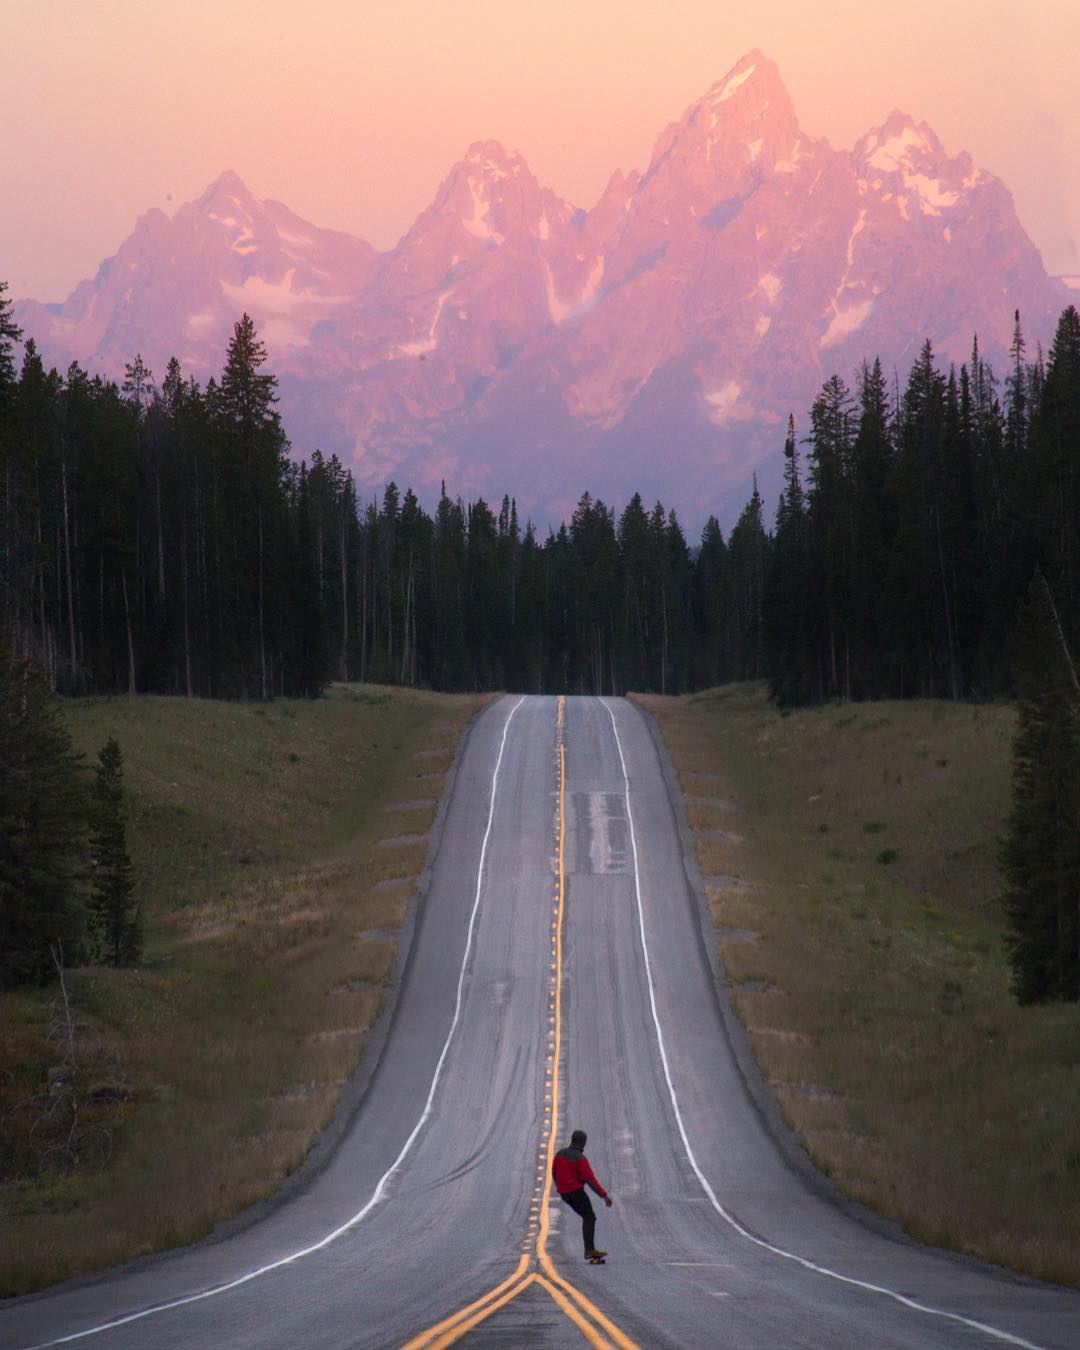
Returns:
point(856, 897)
point(272, 903)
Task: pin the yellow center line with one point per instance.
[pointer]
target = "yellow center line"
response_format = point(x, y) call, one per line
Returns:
point(577, 1306)
point(430, 1336)
point(546, 1264)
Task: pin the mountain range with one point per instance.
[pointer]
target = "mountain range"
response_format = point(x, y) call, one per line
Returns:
point(514, 342)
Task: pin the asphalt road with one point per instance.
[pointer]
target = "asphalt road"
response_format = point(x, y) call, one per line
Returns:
point(558, 976)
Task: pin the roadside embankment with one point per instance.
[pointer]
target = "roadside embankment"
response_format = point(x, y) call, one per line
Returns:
point(850, 863)
point(277, 848)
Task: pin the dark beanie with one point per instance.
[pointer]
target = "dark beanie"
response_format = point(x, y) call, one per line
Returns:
point(578, 1138)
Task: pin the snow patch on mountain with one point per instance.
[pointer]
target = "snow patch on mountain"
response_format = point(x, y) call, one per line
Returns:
point(478, 224)
point(771, 284)
point(733, 84)
point(895, 153)
point(564, 309)
point(846, 321)
point(910, 161)
point(269, 297)
point(428, 343)
point(723, 401)
point(932, 194)
point(856, 230)
point(274, 304)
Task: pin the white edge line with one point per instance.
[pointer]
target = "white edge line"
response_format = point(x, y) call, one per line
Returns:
point(995, 1332)
point(377, 1193)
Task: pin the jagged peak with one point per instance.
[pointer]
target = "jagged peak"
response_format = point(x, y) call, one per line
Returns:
point(493, 160)
point(899, 142)
point(906, 159)
point(743, 116)
point(621, 184)
point(227, 185)
point(753, 69)
point(751, 94)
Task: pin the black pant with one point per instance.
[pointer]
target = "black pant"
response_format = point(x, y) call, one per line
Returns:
point(581, 1204)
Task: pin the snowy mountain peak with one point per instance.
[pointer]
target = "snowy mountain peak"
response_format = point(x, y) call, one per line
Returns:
point(899, 143)
point(658, 340)
point(491, 194)
point(905, 160)
point(228, 193)
point(752, 70)
point(491, 159)
point(742, 126)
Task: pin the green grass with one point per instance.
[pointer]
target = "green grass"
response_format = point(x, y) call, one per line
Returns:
point(260, 836)
point(876, 989)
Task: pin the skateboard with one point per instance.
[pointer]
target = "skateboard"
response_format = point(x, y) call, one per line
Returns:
point(596, 1260)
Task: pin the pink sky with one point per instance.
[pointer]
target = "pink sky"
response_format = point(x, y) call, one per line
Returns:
point(352, 112)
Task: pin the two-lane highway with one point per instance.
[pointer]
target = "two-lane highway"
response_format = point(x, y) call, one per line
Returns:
point(558, 977)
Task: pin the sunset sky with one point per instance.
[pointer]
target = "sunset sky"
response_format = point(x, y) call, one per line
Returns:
point(352, 113)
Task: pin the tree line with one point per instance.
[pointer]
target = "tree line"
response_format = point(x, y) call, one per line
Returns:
point(159, 538)
point(931, 548)
point(900, 557)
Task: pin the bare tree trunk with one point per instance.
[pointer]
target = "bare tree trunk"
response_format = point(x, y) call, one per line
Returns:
point(67, 567)
point(343, 563)
point(664, 641)
point(363, 630)
point(389, 625)
point(954, 680)
point(127, 624)
point(187, 633)
point(160, 539)
point(262, 635)
point(1060, 633)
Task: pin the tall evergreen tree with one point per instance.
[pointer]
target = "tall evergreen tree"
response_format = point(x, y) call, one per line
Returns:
point(786, 599)
point(42, 825)
point(830, 522)
point(254, 475)
point(712, 608)
point(116, 916)
point(1041, 851)
point(747, 555)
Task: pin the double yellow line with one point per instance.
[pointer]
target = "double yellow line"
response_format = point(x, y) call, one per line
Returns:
point(536, 1266)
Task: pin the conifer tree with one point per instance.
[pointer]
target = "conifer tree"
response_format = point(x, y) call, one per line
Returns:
point(786, 599)
point(830, 525)
point(873, 532)
point(10, 334)
point(116, 917)
point(747, 557)
point(712, 606)
point(42, 824)
point(1041, 850)
point(253, 477)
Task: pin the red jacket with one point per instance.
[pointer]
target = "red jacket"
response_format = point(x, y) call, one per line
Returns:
point(571, 1172)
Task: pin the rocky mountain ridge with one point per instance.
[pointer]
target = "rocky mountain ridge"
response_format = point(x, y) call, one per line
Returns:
point(513, 342)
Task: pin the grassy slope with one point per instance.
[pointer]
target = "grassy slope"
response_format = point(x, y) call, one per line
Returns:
point(277, 848)
point(850, 856)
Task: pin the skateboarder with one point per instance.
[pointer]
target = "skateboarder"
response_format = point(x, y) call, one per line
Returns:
point(571, 1173)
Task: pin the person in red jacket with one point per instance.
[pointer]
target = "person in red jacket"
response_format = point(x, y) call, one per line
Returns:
point(571, 1173)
